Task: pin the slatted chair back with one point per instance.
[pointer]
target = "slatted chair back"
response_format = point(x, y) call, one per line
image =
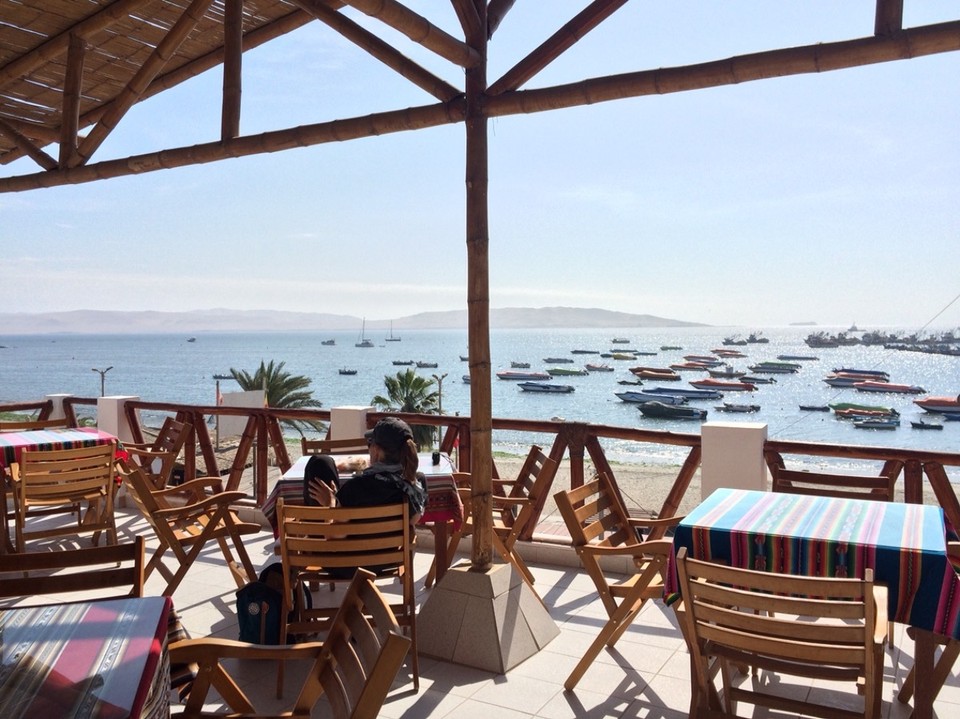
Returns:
point(847, 486)
point(159, 458)
point(29, 424)
point(602, 534)
point(522, 486)
point(76, 481)
point(350, 445)
point(95, 570)
point(354, 667)
point(184, 530)
point(832, 629)
point(327, 544)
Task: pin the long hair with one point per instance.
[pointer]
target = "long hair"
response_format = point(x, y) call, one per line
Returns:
point(407, 458)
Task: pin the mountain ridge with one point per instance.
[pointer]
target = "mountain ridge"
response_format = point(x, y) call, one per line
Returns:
point(227, 320)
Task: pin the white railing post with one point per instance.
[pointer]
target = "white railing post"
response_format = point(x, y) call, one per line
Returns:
point(348, 422)
point(112, 418)
point(732, 456)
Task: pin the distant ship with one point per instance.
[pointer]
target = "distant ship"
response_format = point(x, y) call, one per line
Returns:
point(329, 343)
point(391, 338)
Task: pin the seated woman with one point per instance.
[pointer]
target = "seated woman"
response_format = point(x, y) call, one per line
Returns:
point(392, 476)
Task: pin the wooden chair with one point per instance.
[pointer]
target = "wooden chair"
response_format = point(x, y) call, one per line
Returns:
point(601, 531)
point(831, 629)
point(325, 544)
point(98, 569)
point(158, 458)
point(353, 667)
point(30, 424)
point(64, 481)
point(848, 486)
point(352, 445)
point(515, 506)
point(185, 530)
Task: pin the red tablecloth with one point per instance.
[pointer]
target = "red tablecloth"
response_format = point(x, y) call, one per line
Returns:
point(101, 659)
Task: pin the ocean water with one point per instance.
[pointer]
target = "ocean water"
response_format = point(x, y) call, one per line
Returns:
point(169, 368)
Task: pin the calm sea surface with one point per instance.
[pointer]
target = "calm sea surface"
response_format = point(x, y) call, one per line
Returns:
point(168, 368)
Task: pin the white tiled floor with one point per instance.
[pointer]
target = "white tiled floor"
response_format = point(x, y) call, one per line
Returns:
point(646, 676)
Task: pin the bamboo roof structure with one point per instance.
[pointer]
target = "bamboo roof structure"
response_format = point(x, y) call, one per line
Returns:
point(71, 70)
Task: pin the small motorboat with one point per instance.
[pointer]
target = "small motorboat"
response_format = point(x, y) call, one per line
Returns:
point(557, 360)
point(546, 388)
point(771, 367)
point(658, 373)
point(344, 370)
point(584, 352)
point(888, 387)
point(512, 375)
point(520, 365)
point(753, 379)
point(687, 393)
point(566, 372)
point(598, 368)
point(639, 397)
point(620, 341)
point(939, 405)
point(427, 365)
point(876, 423)
point(798, 358)
point(723, 385)
point(730, 407)
point(815, 407)
point(874, 373)
point(403, 363)
point(329, 343)
point(727, 372)
point(920, 424)
point(690, 366)
point(466, 379)
point(223, 376)
point(659, 410)
point(621, 356)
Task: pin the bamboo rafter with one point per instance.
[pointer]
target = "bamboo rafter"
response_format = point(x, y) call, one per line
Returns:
point(915, 42)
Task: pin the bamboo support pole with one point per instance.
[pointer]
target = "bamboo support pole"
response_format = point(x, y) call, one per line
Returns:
point(558, 43)
point(232, 69)
point(468, 17)
point(419, 30)
point(478, 304)
point(27, 147)
point(889, 17)
point(389, 56)
point(496, 11)
point(134, 90)
point(70, 108)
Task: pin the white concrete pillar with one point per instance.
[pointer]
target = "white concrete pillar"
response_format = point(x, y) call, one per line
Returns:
point(732, 456)
point(348, 422)
point(57, 399)
point(112, 418)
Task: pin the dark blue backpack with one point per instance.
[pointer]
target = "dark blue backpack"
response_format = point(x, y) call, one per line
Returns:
point(259, 605)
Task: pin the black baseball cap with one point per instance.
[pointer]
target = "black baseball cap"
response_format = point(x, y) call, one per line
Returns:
point(390, 433)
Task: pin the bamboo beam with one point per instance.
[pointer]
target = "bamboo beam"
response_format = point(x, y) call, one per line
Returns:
point(27, 147)
point(379, 49)
point(132, 93)
point(419, 29)
point(496, 11)
point(478, 303)
point(232, 69)
point(415, 118)
point(912, 43)
point(468, 17)
point(889, 17)
point(70, 109)
point(915, 42)
point(558, 43)
point(56, 46)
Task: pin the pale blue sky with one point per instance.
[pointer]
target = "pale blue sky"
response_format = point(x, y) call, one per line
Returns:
point(832, 198)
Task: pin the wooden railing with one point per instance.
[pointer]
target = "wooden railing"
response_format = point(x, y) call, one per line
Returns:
point(573, 442)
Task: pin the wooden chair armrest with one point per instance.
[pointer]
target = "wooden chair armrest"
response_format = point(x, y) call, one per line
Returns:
point(503, 502)
point(203, 506)
point(194, 486)
point(651, 522)
point(655, 546)
point(146, 452)
point(207, 650)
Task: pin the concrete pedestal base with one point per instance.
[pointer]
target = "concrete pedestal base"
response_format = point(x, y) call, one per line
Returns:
point(489, 620)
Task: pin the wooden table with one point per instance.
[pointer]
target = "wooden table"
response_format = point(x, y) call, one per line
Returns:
point(904, 544)
point(12, 445)
point(443, 511)
point(100, 659)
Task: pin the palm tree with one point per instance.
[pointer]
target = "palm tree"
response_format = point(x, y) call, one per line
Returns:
point(282, 389)
point(409, 392)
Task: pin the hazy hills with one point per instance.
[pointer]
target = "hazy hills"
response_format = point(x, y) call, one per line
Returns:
point(224, 320)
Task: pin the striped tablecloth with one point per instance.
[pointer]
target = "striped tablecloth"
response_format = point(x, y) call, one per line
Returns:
point(904, 544)
point(443, 500)
point(102, 660)
point(12, 444)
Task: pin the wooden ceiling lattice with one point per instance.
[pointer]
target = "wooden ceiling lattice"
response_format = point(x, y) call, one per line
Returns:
point(71, 69)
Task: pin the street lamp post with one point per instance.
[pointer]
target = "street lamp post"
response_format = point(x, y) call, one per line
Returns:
point(439, 379)
point(103, 374)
